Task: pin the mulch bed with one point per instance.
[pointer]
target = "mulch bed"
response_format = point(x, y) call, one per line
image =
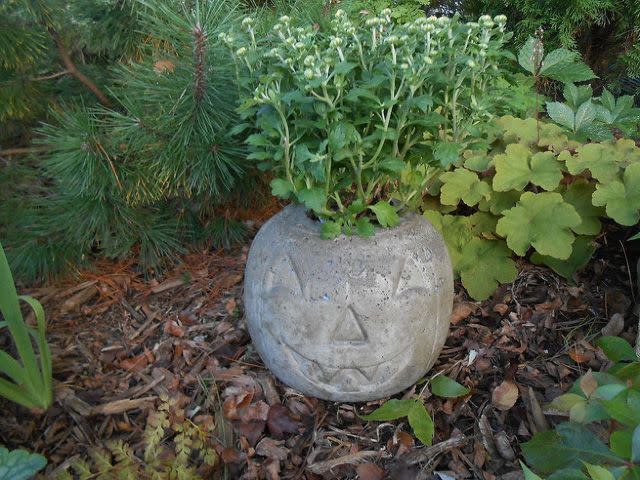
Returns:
point(121, 342)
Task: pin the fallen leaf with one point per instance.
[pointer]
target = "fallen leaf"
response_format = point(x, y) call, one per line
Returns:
point(370, 471)
point(505, 395)
point(270, 448)
point(500, 308)
point(579, 355)
point(231, 455)
point(461, 311)
point(230, 306)
point(172, 328)
point(614, 327)
point(588, 383)
point(280, 421)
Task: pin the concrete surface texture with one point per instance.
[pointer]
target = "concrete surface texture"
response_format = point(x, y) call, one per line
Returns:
point(350, 319)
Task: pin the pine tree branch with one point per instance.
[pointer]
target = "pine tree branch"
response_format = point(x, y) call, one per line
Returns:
point(52, 76)
point(10, 152)
point(200, 76)
point(73, 70)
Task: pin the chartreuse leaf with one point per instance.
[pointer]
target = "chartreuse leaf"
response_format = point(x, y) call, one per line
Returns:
point(598, 158)
point(500, 201)
point(621, 197)
point(421, 423)
point(443, 386)
point(463, 184)
point(579, 194)
point(542, 221)
point(596, 472)
point(617, 349)
point(19, 464)
point(518, 167)
point(484, 265)
point(477, 161)
point(457, 233)
point(583, 250)
point(517, 130)
point(566, 447)
point(390, 410)
point(385, 213)
point(528, 474)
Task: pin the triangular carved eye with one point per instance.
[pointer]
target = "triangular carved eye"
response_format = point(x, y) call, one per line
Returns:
point(409, 277)
point(349, 329)
point(286, 275)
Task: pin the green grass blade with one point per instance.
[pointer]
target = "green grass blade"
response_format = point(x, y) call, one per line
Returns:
point(43, 347)
point(11, 368)
point(16, 394)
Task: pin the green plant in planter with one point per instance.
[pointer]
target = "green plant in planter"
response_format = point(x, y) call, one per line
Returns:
point(355, 121)
point(601, 440)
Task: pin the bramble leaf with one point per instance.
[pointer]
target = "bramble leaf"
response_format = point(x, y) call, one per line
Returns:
point(391, 410)
point(579, 194)
point(463, 184)
point(281, 188)
point(484, 265)
point(562, 114)
point(517, 167)
point(566, 67)
point(526, 54)
point(385, 213)
point(540, 220)
point(443, 386)
point(598, 158)
point(421, 423)
point(621, 198)
point(364, 227)
point(446, 153)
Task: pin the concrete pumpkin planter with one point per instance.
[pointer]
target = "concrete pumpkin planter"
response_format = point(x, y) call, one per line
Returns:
point(350, 319)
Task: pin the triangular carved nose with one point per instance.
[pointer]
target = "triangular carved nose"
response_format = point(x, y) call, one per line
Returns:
point(349, 328)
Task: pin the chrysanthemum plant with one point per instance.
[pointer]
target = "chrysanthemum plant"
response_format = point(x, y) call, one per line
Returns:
point(355, 121)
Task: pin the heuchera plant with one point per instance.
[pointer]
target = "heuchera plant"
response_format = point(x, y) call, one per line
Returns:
point(357, 121)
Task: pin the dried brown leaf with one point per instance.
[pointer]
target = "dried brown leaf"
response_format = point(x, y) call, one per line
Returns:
point(505, 395)
point(370, 471)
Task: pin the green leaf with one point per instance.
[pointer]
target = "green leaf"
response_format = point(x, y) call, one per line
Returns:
point(621, 442)
point(576, 96)
point(568, 474)
point(583, 250)
point(355, 94)
point(526, 54)
point(598, 158)
point(385, 213)
point(390, 410)
point(617, 349)
point(528, 474)
point(421, 423)
point(392, 164)
point(542, 221)
point(518, 167)
point(500, 201)
point(562, 114)
point(19, 464)
point(446, 153)
point(423, 102)
point(564, 65)
point(579, 194)
point(462, 184)
point(364, 227)
point(635, 445)
point(624, 407)
point(330, 230)
point(457, 233)
point(312, 198)
point(621, 198)
point(484, 265)
point(281, 188)
point(477, 161)
point(596, 472)
point(566, 447)
point(565, 402)
point(445, 387)
point(585, 115)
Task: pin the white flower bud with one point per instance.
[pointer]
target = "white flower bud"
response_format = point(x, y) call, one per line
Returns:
point(308, 74)
point(285, 20)
point(309, 61)
point(241, 52)
point(500, 19)
point(471, 63)
point(386, 12)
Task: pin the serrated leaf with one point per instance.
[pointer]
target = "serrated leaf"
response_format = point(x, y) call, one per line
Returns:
point(312, 198)
point(500, 201)
point(446, 153)
point(579, 194)
point(562, 114)
point(355, 94)
point(385, 213)
point(457, 233)
point(598, 158)
point(477, 161)
point(390, 410)
point(542, 221)
point(526, 54)
point(576, 96)
point(281, 188)
point(484, 265)
point(364, 227)
point(19, 464)
point(421, 423)
point(583, 250)
point(392, 164)
point(585, 115)
point(616, 349)
point(330, 230)
point(621, 198)
point(566, 67)
point(462, 184)
point(518, 167)
point(443, 386)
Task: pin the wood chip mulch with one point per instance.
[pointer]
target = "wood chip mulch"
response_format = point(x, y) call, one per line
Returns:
point(120, 342)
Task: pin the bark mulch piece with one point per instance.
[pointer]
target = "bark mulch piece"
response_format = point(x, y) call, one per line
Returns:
point(121, 342)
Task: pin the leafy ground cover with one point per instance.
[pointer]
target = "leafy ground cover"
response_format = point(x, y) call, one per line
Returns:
point(125, 347)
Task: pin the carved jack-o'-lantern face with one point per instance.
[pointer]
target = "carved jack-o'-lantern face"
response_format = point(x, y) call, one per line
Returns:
point(346, 323)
